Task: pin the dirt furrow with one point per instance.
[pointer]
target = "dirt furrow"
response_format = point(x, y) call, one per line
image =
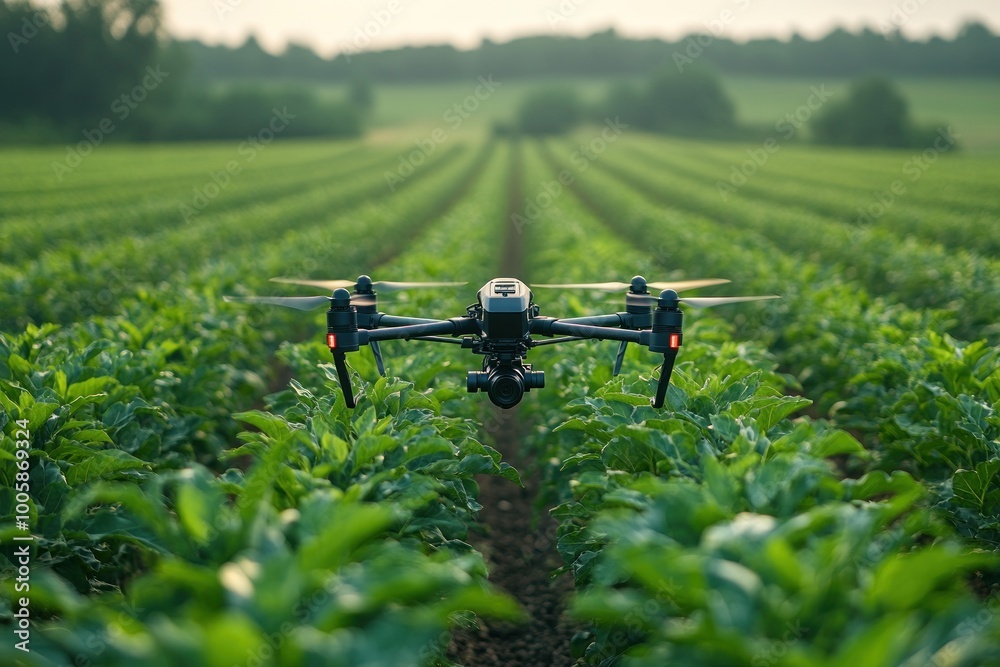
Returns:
point(518, 539)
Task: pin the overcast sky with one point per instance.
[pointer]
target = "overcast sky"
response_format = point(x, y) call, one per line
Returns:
point(331, 26)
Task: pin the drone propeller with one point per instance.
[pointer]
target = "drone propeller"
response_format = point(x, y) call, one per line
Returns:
point(677, 285)
point(296, 302)
point(710, 301)
point(383, 285)
point(300, 302)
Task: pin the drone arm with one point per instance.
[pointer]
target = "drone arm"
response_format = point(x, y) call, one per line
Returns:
point(452, 327)
point(390, 321)
point(554, 341)
point(615, 320)
point(442, 339)
point(550, 327)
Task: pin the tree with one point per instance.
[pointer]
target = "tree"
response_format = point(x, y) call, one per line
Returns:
point(360, 93)
point(549, 111)
point(875, 113)
point(691, 101)
point(74, 59)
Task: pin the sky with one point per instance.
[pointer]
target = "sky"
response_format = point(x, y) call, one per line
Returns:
point(333, 26)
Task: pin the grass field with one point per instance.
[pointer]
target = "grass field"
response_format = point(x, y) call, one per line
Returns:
point(971, 105)
point(821, 488)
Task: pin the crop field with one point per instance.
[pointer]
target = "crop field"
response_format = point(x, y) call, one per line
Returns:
point(183, 484)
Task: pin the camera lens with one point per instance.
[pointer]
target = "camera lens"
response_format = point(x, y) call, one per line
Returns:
point(505, 389)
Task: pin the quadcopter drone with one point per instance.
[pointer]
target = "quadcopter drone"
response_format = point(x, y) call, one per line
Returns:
point(500, 326)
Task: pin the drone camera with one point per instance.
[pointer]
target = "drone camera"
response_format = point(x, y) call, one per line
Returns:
point(505, 384)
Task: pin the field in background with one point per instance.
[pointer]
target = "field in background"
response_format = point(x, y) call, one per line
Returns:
point(971, 105)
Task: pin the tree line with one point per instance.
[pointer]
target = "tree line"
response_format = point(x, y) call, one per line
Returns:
point(107, 67)
point(974, 51)
point(105, 70)
point(693, 103)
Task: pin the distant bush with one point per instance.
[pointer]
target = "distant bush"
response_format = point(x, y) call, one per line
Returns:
point(692, 102)
point(238, 112)
point(875, 113)
point(361, 93)
point(549, 111)
point(503, 128)
point(687, 102)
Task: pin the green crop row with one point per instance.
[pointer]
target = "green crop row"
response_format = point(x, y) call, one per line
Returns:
point(955, 182)
point(890, 201)
point(119, 213)
point(341, 544)
point(868, 364)
point(136, 202)
point(919, 274)
point(718, 531)
point(72, 283)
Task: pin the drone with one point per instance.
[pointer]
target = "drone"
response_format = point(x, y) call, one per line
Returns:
point(500, 326)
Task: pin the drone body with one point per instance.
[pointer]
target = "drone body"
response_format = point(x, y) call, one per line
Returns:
point(500, 326)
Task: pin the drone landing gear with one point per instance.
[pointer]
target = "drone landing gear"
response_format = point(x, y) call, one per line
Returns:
point(340, 360)
point(665, 371)
point(377, 353)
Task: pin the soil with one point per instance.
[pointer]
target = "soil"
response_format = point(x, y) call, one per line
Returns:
point(518, 539)
point(521, 558)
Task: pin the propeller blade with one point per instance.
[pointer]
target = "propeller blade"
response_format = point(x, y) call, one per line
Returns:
point(709, 301)
point(677, 285)
point(296, 302)
point(383, 285)
point(363, 300)
point(325, 284)
point(603, 287)
point(681, 285)
point(387, 286)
